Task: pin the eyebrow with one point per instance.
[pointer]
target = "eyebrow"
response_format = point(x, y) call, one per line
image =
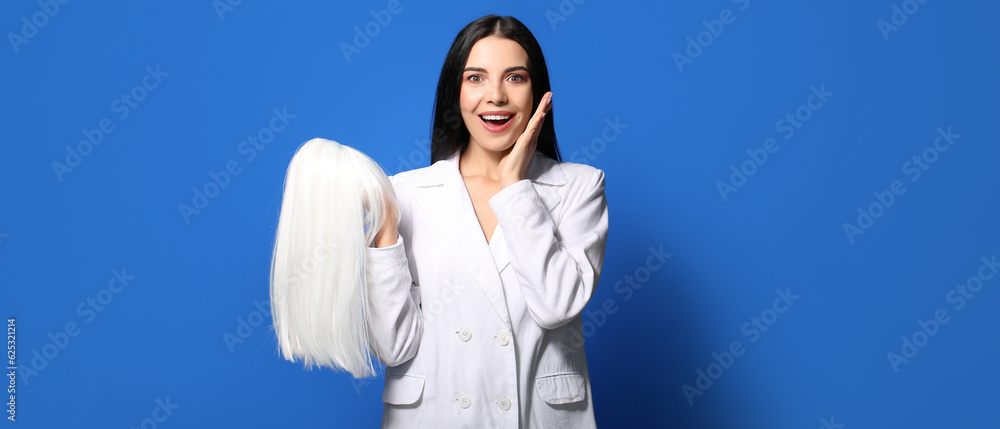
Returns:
point(508, 70)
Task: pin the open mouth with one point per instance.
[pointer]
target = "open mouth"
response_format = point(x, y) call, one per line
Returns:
point(496, 120)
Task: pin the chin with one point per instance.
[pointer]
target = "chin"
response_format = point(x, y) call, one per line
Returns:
point(496, 143)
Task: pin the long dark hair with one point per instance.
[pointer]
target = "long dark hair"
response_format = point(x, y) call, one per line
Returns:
point(448, 132)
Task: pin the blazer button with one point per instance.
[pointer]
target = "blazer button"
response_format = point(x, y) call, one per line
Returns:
point(465, 334)
point(503, 403)
point(503, 338)
point(464, 401)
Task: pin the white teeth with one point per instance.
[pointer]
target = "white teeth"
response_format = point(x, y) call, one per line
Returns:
point(495, 117)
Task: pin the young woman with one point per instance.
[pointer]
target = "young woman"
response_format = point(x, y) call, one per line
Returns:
point(475, 292)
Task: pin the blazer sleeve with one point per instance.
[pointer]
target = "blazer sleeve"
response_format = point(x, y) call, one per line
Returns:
point(394, 316)
point(557, 265)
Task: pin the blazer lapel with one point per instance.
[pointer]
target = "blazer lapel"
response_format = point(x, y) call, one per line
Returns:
point(443, 197)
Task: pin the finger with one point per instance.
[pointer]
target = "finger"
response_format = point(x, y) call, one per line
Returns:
point(543, 107)
point(535, 123)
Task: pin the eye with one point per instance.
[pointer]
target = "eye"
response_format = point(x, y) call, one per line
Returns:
point(516, 78)
point(474, 78)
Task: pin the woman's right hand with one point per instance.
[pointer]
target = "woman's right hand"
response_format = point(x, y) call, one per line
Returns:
point(387, 236)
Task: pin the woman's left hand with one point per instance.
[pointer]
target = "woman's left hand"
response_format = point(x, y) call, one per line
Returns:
point(514, 166)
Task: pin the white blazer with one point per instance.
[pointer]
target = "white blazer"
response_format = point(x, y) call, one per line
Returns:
point(478, 335)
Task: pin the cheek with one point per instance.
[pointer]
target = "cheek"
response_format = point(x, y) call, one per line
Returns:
point(524, 99)
point(468, 101)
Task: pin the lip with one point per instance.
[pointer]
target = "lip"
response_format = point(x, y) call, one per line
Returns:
point(496, 129)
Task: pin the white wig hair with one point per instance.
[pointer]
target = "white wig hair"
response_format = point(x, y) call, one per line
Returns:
point(330, 213)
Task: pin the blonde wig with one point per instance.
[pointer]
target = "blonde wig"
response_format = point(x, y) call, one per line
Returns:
point(331, 211)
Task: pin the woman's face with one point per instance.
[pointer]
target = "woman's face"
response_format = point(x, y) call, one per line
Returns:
point(496, 96)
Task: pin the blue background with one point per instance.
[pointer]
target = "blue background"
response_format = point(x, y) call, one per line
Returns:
point(176, 331)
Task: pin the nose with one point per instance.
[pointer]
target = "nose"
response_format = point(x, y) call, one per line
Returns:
point(497, 95)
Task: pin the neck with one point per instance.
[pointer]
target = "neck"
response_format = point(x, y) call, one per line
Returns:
point(476, 161)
